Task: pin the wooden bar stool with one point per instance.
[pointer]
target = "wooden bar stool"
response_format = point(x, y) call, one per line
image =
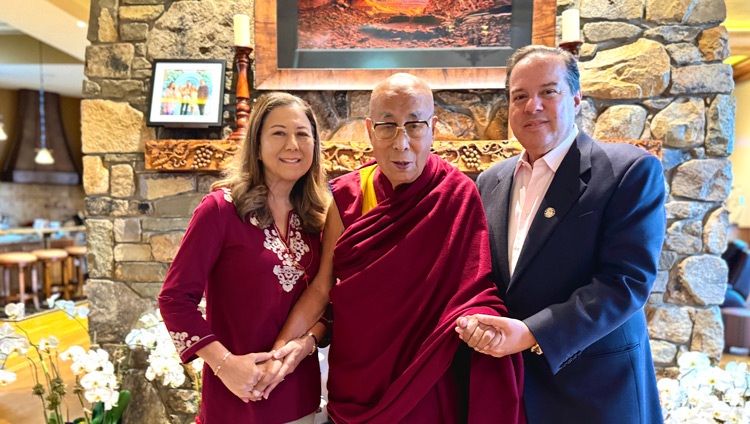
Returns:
point(48, 258)
point(18, 263)
point(77, 267)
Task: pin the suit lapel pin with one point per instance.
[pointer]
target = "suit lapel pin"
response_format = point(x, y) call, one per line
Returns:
point(549, 212)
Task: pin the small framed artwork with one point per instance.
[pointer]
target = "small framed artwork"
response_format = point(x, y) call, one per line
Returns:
point(186, 93)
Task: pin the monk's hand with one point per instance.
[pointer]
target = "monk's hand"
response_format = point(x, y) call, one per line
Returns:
point(240, 373)
point(477, 334)
point(270, 369)
point(514, 335)
point(290, 355)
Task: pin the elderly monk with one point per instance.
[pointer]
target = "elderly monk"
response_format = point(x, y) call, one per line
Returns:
point(411, 256)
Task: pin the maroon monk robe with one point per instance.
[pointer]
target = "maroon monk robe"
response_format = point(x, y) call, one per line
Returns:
point(407, 269)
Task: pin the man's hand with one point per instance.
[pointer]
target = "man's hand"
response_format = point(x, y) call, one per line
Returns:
point(241, 373)
point(496, 336)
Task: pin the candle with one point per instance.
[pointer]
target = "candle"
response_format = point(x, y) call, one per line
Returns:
point(241, 30)
point(571, 27)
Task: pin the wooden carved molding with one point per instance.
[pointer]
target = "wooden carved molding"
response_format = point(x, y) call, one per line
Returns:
point(470, 156)
point(189, 155)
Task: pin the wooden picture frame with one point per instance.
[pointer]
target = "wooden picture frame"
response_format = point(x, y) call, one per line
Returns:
point(268, 76)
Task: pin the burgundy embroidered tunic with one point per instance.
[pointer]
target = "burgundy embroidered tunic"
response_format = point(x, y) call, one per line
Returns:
point(251, 280)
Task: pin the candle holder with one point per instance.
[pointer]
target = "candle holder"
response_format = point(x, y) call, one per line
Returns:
point(242, 62)
point(572, 47)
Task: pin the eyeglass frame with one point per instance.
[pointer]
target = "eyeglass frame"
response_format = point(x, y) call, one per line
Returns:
point(401, 127)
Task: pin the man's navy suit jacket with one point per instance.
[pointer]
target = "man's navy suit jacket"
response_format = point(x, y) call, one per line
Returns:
point(581, 281)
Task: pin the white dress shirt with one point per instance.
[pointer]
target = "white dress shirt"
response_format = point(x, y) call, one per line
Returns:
point(530, 184)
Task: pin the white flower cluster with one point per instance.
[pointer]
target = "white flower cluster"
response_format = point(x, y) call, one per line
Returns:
point(163, 359)
point(98, 374)
point(10, 342)
point(704, 393)
point(68, 306)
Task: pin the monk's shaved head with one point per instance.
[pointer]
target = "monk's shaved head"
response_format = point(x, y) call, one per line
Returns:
point(403, 108)
point(402, 84)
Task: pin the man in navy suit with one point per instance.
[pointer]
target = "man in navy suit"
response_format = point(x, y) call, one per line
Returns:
point(576, 229)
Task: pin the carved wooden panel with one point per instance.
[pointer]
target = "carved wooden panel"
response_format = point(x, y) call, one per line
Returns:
point(468, 156)
point(339, 157)
point(189, 155)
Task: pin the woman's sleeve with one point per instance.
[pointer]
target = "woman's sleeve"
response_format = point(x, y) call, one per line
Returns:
point(187, 278)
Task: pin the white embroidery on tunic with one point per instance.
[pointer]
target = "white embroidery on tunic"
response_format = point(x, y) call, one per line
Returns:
point(290, 270)
point(180, 342)
point(254, 221)
point(227, 194)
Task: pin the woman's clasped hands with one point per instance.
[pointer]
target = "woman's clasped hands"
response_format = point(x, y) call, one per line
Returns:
point(254, 376)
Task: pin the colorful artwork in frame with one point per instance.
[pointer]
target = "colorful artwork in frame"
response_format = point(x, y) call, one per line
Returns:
point(186, 93)
point(475, 58)
point(409, 24)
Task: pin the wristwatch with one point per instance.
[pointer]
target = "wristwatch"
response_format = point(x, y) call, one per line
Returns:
point(315, 344)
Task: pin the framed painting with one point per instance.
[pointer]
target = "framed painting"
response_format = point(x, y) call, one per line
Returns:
point(341, 48)
point(186, 93)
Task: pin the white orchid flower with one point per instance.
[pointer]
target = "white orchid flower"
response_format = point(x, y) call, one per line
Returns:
point(51, 300)
point(86, 363)
point(7, 377)
point(6, 330)
point(721, 411)
point(149, 320)
point(94, 380)
point(72, 353)
point(197, 365)
point(21, 346)
point(15, 311)
point(175, 375)
point(715, 378)
point(100, 356)
point(735, 397)
point(82, 312)
point(150, 373)
point(140, 337)
point(693, 360)
point(47, 345)
point(112, 401)
point(99, 394)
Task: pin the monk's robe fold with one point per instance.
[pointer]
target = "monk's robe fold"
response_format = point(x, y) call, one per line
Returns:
point(407, 269)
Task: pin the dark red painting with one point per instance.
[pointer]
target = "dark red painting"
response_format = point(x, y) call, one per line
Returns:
point(401, 24)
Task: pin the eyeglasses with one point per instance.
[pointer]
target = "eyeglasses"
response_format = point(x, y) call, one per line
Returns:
point(387, 131)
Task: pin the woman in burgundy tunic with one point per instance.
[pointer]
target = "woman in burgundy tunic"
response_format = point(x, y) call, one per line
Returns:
point(251, 248)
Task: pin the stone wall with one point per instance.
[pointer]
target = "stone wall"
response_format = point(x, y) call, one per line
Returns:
point(651, 69)
point(662, 77)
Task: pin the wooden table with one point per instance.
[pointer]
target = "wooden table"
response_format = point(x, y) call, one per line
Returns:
point(44, 234)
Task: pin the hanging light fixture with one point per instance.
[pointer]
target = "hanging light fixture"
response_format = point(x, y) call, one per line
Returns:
point(43, 155)
point(3, 135)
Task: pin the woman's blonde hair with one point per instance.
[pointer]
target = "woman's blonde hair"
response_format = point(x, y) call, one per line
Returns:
point(246, 180)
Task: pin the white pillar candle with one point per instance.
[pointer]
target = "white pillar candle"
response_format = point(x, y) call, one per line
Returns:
point(241, 30)
point(571, 26)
